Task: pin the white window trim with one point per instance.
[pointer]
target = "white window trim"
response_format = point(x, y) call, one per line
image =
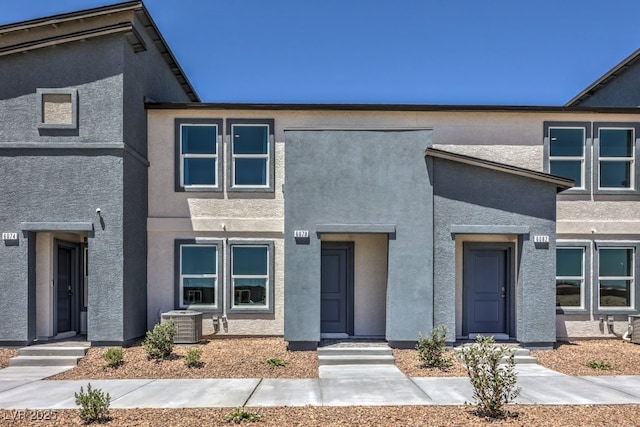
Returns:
point(184, 156)
point(233, 278)
point(629, 159)
point(216, 297)
point(582, 158)
point(581, 278)
point(234, 156)
point(630, 278)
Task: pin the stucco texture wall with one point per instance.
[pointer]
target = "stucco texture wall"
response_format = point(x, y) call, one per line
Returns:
point(471, 195)
point(367, 177)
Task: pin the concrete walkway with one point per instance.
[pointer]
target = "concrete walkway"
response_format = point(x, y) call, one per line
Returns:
point(23, 387)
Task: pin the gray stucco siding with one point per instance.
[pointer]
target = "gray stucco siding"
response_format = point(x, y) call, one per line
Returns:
point(477, 196)
point(622, 91)
point(93, 67)
point(63, 187)
point(359, 177)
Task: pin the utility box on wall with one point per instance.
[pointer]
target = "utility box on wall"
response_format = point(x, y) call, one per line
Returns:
point(635, 328)
point(188, 324)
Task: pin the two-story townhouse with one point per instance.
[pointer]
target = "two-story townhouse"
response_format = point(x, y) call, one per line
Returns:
point(73, 171)
point(383, 221)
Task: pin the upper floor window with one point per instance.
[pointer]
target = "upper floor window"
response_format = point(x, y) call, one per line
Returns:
point(198, 154)
point(251, 145)
point(616, 152)
point(603, 164)
point(57, 108)
point(567, 153)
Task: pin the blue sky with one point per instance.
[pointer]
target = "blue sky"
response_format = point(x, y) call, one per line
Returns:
point(507, 52)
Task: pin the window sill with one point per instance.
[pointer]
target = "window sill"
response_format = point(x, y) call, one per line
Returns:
point(201, 309)
point(569, 310)
point(199, 189)
point(250, 189)
point(250, 310)
point(616, 310)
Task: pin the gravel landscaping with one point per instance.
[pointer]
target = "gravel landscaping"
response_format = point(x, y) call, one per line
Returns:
point(557, 416)
point(5, 355)
point(245, 358)
point(572, 358)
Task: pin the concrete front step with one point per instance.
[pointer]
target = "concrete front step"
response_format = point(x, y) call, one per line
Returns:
point(354, 351)
point(45, 361)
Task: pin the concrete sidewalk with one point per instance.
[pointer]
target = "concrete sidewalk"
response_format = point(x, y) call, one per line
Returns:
point(22, 388)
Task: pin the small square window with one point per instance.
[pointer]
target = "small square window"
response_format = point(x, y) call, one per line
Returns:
point(251, 148)
point(57, 108)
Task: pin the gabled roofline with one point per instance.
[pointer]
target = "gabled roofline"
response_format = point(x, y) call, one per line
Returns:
point(70, 16)
point(382, 107)
point(605, 79)
point(135, 6)
point(560, 183)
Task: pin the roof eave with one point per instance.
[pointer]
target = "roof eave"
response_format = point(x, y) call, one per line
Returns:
point(560, 183)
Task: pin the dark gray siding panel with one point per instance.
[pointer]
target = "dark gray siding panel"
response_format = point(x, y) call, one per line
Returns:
point(474, 196)
point(622, 91)
point(93, 67)
point(135, 247)
point(356, 178)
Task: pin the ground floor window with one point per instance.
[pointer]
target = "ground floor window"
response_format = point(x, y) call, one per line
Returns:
point(198, 276)
point(570, 275)
point(250, 276)
point(615, 277)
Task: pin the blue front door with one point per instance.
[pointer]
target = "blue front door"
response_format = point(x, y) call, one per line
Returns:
point(336, 288)
point(485, 288)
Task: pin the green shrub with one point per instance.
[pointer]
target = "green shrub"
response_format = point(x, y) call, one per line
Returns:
point(94, 405)
point(491, 371)
point(239, 415)
point(603, 366)
point(431, 350)
point(113, 356)
point(192, 358)
point(158, 343)
point(275, 362)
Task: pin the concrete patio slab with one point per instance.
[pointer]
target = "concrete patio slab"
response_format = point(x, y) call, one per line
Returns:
point(446, 391)
point(286, 392)
point(371, 392)
point(192, 393)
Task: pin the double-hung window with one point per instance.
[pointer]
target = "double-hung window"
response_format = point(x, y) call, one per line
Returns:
point(567, 153)
point(616, 157)
point(250, 155)
point(616, 268)
point(198, 154)
point(570, 277)
point(251, 277)
point(198, 276)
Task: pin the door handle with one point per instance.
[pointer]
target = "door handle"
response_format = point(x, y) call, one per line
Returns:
point(504, 292)
point(69, 291)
